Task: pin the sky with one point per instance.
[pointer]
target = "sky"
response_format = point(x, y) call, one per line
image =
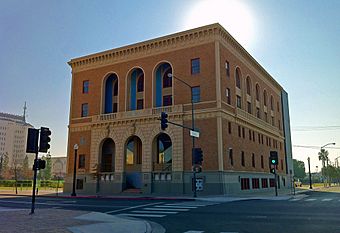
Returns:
point(297, 42)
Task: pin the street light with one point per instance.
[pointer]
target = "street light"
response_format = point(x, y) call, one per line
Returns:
point(170, 75)
point(75, 147)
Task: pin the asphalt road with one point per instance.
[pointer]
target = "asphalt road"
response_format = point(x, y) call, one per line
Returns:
point(317, 212)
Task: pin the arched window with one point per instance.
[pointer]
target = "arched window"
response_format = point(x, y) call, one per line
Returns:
point(248, 86)
point(271, 102)
point(111, 94)
point(162, 151)
point(135, 89)
point(163, 87)
point(257, 92)
point(238, 78)
point(265, 98)
point(140, 83)
point(134, 151)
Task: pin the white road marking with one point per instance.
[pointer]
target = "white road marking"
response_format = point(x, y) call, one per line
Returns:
point(327, 199)
point(153, 212)
point(310, 199)
point(177, 206)
point(294, 199)
point(194, 232)
point(133, 207)
point(164, 209)
point(144, 215)
point(185, 204)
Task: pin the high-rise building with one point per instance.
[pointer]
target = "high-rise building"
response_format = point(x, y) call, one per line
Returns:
point(117, 97)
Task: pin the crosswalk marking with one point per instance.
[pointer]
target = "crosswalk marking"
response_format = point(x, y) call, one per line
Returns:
point(310, 199)
point(180, 204)
point(177, 206)
point(144, 215)
point(193, 232)
point(294, 199)
point(164, 209)
point(327, 199)
point(153, 212)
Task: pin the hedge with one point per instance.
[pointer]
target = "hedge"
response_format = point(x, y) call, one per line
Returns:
point(29, 183)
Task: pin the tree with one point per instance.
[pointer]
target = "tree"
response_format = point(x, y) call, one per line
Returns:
point(323, 156)
point(27, 172)
point(299, 169)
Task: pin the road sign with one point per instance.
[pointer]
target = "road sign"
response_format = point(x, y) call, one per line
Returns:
point(194, 134)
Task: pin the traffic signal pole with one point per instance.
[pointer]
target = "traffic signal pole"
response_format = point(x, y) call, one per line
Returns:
point(35, 168)
point(275, 174)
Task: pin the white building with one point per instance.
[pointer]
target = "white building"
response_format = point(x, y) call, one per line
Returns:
point(13, 138)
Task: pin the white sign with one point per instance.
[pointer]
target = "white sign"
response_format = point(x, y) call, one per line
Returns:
point(194, 134)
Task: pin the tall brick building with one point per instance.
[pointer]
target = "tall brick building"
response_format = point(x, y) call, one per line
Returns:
point(118, 95)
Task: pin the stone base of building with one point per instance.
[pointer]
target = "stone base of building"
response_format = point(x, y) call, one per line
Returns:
point(175, 183)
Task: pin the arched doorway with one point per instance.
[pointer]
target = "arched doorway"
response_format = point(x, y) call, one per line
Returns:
point(107, 160)
point(133, 163)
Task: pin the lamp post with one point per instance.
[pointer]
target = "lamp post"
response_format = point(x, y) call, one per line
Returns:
point(170, 75)
point(75, 147)
point(331, 143)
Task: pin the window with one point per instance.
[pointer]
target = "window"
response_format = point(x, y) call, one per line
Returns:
point(250, 135)
point(249, 107)
point(255, 183)
point(266, 117)
point(227, 69)
point(238, 101)
point(86, 86)
point(239, 131)
point(81, 162)
point(238, 78)
point(229, 127)
point(282, 164)
point(242, 159)
point(264, 182)
point(140, 83)
point(140, 104)
point(248, 86)
point(271, 102)
point(279, 123)
point(245, 183)
point(243, 132)
point(262, 164)
point(272, 182)
point(258, 113)
point(273, 121)
point(195, 66)
point(80, 184)
point(167, 79)
point(253, 159)
point(265, 98)
point(227, 93)
point(84, 110)
point(196, 94)
point(167, 100)
point(253, 136)
point(257, 92)
point(231, 157)
point(278, 106)
point(115, 107)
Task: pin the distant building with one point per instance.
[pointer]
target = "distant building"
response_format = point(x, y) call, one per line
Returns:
point(13, 138)
point(117, 97)
point(58, 167)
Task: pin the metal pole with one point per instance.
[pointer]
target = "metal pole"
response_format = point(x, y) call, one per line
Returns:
point(193, 140)
point(34, 181)
point(73, 194)
point(310, 176)
point(275, 180)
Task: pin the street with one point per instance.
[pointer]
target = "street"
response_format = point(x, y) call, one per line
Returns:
point(310, 212)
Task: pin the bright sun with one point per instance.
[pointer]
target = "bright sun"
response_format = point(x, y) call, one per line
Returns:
point(233, 15)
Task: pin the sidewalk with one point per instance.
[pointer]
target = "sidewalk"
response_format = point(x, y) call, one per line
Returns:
point(62, 221)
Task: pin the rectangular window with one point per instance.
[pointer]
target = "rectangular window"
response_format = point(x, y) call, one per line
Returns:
point(249, 107)
point(80, 184)
point(227, 93)
point(84, 110)
point(242, 159)
point(195, 66)
point(266, 117)
point(273, 121)
point(282, 164)
point(227, 69)
point(243, 132)
point(239, 131)
point(256, 183)
point(140, 104)
point(262, 164)
point(245, 183)
point(250, 135)
point(238, 101)
point(272, 182)
point(279, 123)
point(167, 100)
point(258, 113)
point(253, 136)
point(86, 86)
point(264, 182)
point(229, 127)
point(231, 157)
point(81, 162)
point(253, 160)
point(115, 107)
point(196, 94)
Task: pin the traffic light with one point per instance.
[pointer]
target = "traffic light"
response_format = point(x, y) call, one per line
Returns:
point(164, 120)
point(45, 139)
point(273, 158)
point(272, 170)
point(198, 156)
point(39, 164)
point(32, 140)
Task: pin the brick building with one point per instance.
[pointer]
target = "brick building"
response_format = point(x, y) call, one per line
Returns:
point(118, 95)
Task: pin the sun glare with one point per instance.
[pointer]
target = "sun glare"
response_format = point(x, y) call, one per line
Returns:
point(233, 15)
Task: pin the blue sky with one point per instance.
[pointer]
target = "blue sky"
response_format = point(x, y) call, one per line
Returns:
point(297, 42)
